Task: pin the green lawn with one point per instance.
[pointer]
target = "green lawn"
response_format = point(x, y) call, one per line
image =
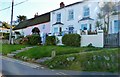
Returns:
point(6, 48)
point(45, 51)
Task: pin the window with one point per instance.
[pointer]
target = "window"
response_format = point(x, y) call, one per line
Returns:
point(86, 11)
point(84, 27)
point(55, 30)
point(71, 30)
point(116, 26)
point(59, 17)
point(43, 26)
point(70, 15)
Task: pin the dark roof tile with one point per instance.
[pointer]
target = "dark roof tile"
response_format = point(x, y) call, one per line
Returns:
point(34, 21)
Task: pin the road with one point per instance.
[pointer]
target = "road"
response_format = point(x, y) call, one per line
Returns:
point(16, 67)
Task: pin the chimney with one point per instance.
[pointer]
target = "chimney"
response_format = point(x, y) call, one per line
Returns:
point(62, 5)
point(36, 14)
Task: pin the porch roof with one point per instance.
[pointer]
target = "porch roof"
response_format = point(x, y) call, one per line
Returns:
point(58, 23)
point(85, 18)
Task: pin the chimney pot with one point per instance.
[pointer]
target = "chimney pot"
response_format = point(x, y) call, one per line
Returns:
point(62, 5)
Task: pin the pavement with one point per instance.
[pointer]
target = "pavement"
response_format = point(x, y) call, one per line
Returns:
point(16, 67)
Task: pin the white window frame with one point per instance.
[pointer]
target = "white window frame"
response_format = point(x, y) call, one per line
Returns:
point(58, 18)
point(71, 14)
point(86, 11)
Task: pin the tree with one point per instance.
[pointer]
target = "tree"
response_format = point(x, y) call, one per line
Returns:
point(21, 18)
point(6, 25)
point(99, 25)
point(35, 30)
point(107, 10)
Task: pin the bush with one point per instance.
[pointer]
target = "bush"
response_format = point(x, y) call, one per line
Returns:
point(71, 40)
point(31, 40)
point(5, 35)
point(50, 40)
point(34, 39)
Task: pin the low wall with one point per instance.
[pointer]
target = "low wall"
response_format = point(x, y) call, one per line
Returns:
point(95, 40)
point(4, 41)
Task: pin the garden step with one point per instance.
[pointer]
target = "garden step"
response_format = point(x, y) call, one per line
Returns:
point(11, 55)
point(43, 59)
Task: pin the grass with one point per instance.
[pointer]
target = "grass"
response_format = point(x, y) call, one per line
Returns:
point(106, 60)
point(45, 51)
point(6, 48)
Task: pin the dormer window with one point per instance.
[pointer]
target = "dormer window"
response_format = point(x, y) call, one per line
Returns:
point(86, 11)
point(58, 18)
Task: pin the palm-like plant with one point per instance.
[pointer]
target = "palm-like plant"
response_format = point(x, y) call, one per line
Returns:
point(6, 25)
point(21, 18)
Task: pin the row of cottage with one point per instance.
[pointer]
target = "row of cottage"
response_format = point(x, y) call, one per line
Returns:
point(79, 17)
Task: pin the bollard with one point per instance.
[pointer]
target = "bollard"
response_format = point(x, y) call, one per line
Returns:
point(53, 54)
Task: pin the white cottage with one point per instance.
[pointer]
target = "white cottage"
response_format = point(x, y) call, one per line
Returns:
point(75, 17)
point(80, 17)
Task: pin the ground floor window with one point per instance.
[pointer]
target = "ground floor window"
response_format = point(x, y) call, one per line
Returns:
point(55, 29)
point(71, 30)
point(116, 26)
point(83, 26)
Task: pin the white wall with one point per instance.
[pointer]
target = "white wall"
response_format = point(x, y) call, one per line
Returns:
point(28, 30)
point(95, 40)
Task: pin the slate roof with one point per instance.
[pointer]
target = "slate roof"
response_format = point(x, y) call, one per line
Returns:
point(34, 21)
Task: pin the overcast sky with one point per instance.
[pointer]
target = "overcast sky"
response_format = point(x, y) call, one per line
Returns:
point(29, 8)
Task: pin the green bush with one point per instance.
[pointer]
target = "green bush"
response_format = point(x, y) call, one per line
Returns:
point(31, 40)
point(34, 39)
point(71, 40)
point(51, 40)
point(5, 35)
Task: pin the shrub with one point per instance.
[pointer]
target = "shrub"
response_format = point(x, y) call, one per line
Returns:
point(5, 35)
point(31, 40)
point(24, 41)
point(34, 39)
point(50, 40)
point(71, 40)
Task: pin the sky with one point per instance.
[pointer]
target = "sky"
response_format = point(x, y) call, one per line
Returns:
point(29, 8)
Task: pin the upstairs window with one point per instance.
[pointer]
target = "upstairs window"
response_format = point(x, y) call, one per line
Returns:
point(70, 15)
point(86, 11)
point(58, 17)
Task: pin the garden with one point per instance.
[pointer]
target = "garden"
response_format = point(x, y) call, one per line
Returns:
point(70, 56)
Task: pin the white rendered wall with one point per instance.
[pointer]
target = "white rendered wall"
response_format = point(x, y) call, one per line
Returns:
point(95, 40)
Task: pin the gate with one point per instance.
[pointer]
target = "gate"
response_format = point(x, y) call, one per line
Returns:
point(112, 40)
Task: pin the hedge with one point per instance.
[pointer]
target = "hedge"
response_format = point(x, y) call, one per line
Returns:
point(31, 40)
point(50, 40)
point(71, 40)
point(34, 39)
